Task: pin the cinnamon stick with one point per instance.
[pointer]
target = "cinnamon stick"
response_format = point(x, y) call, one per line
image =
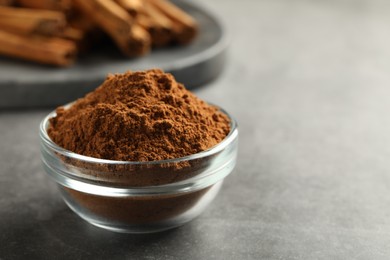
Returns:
point(91, 33)
point(6, 2)
point(131, 38)
point(184, 26)
point(133, 7)
point(29, 21)
point(45, 4)
point(45, 50)
point(73, 34)
point(159, 26)
point(160, 36)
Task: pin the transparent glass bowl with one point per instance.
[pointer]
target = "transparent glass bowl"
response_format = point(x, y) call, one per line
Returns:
point(139, 197)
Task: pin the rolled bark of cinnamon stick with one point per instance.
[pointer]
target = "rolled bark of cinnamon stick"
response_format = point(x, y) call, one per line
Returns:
point(159, 26)
point(92, 34)
point(73, 34)
point(6, 2)
point(184, 26)
point(131, 6)
point(45, 4)
point(29, 21)
point(131, 38)
point(160, 35)
point(45, 50)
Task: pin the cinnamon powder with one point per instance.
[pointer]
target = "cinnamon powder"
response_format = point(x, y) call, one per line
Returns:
point(139, 116)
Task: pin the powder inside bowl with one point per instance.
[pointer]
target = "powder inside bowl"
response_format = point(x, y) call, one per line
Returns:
point(139, 116)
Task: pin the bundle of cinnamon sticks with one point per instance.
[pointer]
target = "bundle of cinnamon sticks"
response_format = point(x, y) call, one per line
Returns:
point(55, 31)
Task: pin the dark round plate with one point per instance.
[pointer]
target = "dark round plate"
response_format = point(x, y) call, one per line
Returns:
point(25, 84)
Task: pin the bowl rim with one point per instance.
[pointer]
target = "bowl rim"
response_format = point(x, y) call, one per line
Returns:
point(230, 137)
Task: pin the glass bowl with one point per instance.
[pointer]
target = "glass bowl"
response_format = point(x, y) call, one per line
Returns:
point(139, 197)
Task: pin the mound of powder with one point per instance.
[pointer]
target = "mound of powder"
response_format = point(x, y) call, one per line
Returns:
point(139, 116)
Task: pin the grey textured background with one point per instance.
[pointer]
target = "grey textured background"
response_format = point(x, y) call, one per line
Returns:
point(309, 83)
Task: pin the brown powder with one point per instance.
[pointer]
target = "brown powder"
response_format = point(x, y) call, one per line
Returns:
point(137, 210)
point(139, 116)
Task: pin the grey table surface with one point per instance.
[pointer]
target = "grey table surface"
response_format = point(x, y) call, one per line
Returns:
point(309, 84)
